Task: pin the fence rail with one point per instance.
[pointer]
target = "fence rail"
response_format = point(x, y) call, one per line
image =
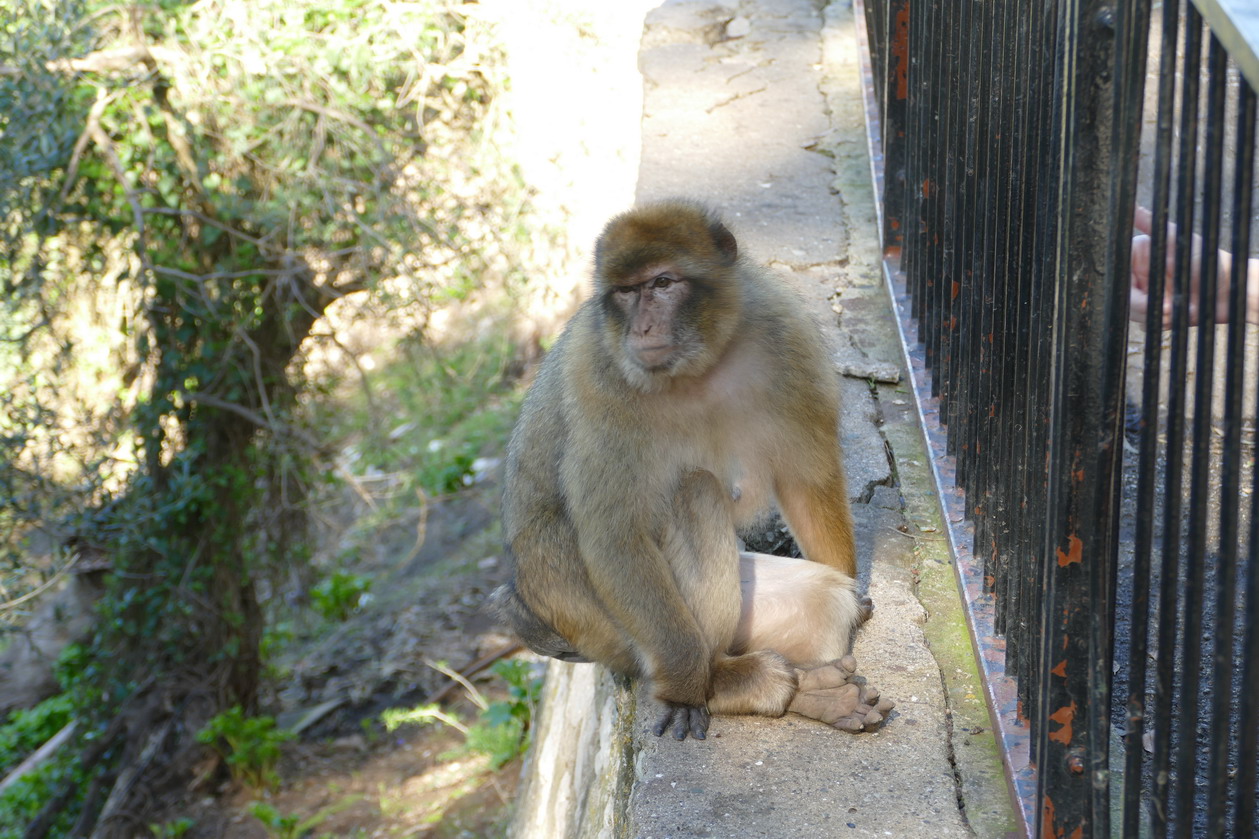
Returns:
point(1101, 481)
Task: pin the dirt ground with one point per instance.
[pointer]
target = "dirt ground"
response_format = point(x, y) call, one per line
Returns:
point(345, 776)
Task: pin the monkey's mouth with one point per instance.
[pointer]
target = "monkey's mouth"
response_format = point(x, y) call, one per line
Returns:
point(654, 358)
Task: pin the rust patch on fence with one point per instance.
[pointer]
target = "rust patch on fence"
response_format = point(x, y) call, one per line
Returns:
point(900, 51)
point(1065, 717)
point(1074, 554)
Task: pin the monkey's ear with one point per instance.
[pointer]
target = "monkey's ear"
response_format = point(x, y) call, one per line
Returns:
point(724, 240)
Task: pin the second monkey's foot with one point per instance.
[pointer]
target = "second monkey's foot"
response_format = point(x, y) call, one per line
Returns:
point(836, 695)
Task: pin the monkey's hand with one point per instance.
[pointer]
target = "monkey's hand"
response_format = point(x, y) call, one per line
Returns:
point(865, 609)
point(836, 695)
point(681, 720)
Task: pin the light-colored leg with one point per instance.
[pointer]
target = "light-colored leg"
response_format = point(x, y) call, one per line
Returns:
point(803, 610)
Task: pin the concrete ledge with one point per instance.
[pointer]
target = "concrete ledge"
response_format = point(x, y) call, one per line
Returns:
point(579, 775)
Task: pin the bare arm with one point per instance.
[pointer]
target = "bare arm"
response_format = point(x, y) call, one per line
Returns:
point(1139, 297)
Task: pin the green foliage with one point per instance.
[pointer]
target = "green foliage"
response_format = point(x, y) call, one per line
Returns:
point(501, 740)
point(339, 594)
point(27, 730)
point(502, 732)
point(278, 825)
point(292, 826)
point(172, 830)
point(23, 733)
point(502, 728)
point(249, 745)
point(22, 801)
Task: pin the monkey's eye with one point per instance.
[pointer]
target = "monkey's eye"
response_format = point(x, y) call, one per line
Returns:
point(661, 282)
point(625, 290)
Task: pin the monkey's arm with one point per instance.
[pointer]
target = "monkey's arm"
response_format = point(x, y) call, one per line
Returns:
point(818, 514)
point(635, 583)
point(618, 538)
point(809, 477)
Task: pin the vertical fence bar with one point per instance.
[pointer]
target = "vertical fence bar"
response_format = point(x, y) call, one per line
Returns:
point(1142, 562)
point(1090, 332)
point(1248, 713)
point(895, 100)
point(1171, 587)
point(1219, 782)
point(1216, 798)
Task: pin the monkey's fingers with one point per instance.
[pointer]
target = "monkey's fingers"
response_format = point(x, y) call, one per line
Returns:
point(681, 720)
point(865, 610)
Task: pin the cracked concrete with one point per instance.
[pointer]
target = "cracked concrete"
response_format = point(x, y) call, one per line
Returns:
point(753, 106)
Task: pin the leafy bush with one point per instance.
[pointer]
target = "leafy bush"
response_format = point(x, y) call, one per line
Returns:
point(502, 727)
point(172, 830)
point(249, 745)
point(339, 594)
point(27, 730)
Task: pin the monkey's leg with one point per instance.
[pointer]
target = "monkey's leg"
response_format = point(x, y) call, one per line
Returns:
point(804, 611)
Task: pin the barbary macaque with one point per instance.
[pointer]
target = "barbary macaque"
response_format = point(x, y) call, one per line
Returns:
point(688, 394)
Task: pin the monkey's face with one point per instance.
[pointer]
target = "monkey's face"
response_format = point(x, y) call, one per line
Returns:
point(652, 312)
point(669, 284)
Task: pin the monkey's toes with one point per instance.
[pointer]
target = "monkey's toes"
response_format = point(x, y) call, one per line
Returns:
point(681, 720)
point(836, 695)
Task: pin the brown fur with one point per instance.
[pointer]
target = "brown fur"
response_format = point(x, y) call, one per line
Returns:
point(686, 395)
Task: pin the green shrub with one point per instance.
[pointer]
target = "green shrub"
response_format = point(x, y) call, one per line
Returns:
point(339, 594)
point(249, 745)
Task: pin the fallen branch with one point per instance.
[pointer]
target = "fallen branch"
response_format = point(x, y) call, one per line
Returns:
point(118, 60)
point(127, 779)
point(91, 755)
point(472, 670)
point(39, 756)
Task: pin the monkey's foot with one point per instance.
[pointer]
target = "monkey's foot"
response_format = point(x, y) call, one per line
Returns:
point(836, 695)
point(681, 720)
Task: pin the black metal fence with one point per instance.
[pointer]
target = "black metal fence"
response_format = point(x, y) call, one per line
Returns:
point(1100, 480)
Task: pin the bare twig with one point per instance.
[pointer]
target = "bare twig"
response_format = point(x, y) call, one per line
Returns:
point(93, 120)
point(204, 219)
point(39, 756)
point(106, 146)
point(257, 419)
point(421, 527)
point(47, 584)
point(473, 693)
point(473, 669)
